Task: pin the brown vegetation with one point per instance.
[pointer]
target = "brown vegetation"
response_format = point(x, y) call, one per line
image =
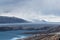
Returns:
point(42, 37)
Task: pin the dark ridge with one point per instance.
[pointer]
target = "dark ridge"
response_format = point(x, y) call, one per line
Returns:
point(5, 19)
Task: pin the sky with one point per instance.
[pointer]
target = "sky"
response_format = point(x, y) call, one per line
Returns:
point(31, 9)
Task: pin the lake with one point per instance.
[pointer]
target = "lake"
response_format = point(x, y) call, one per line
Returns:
point(13, 35)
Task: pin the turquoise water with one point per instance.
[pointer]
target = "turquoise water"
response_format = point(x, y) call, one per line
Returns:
point(13, 35)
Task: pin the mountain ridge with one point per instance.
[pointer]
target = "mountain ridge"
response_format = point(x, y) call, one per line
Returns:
point(5, 19)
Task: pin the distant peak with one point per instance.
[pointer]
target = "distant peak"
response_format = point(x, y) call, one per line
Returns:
point(37, 20)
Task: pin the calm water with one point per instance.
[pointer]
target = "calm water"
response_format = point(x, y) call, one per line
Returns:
point(13, 35)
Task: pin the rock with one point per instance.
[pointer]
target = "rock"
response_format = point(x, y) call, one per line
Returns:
point(42, 37)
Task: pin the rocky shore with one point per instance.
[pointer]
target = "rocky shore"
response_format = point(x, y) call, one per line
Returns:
point(51, 34)
point(43, 37)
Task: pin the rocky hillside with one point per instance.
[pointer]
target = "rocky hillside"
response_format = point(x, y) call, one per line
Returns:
point(42, 37)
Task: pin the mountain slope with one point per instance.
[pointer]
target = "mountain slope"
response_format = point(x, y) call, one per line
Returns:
point(4, 19)
point(36, 20)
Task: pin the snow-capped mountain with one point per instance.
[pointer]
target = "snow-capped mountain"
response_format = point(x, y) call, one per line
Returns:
point(37, 20)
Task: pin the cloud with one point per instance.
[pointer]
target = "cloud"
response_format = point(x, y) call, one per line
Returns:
point(30, 9)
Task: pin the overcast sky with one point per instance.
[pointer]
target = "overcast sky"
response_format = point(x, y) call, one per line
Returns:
point(31, 9)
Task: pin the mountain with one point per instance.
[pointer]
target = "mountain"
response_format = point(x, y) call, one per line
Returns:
point(36, 20)
point(5, 19)
point(43, 20)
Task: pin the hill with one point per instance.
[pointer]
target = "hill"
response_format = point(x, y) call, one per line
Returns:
point(5, 19)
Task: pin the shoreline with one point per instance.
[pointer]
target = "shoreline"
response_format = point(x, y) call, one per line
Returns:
point(42, 37)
